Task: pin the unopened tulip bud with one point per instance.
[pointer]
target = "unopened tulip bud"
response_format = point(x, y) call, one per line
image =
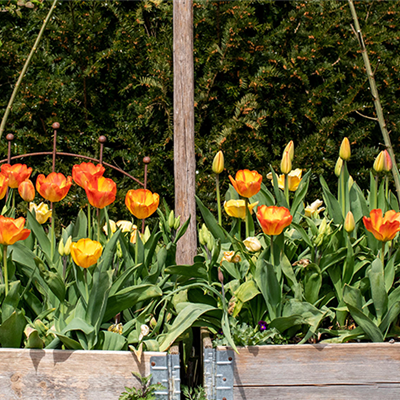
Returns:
point(61, 248)
point(171, 219)
point(146, 235)
point(153, 323)
point(252, 244)
point(350, 182)
point(26, 190)
point(286, 163)
point(220, 275)
point(387, 165)
point(177, 222)
point(349, 223)
point(218, 163)
point(345, 151)
point(67, 246)
point(338, 166)
point(290, 149)
point(379, 162)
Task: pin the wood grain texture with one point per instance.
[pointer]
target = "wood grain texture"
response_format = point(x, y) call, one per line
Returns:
point(184, 151)
point(331, 371)
point(69, 375)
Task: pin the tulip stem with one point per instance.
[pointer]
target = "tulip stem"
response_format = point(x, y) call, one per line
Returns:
point(5, 268)
point(218, 200)
point(53, 233)
point(387, 188)
point(98, 226)
point(13, 200)
point(89, 222)
point(239, 221)
point(272, 250)
point(86, 285)
point(137, 247)
point(342, 187)
point(286, 189)
point(383, 254)
point(246, 203)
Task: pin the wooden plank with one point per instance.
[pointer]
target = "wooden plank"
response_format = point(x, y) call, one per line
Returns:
point(353, 392)
point(69, 375)
point(321, 364)
point(184, 150)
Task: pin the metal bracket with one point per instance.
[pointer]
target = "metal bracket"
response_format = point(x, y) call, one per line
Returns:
point(166, 371)
point(218, 374)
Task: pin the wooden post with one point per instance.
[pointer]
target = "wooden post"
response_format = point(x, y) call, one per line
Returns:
point(184, 155)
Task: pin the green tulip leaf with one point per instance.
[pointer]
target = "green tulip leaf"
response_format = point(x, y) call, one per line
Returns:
point(12, 329)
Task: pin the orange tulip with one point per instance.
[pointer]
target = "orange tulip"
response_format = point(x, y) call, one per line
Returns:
point(273, 219)
point(100, 191)
point(26, 190)
point(142, 202)
point(16, 174)
point(247, 183)
point(384, 229)
point(54, 187)
point(12, 230)
point(3, 185)
point(81, 173)
point(86, 252)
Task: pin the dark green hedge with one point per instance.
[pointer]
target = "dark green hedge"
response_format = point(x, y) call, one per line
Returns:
point(265, 73)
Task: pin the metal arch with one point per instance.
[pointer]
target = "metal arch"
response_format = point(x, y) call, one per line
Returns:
point(47, 153)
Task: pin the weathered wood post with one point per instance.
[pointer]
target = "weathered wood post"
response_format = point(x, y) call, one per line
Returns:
point(184, 154)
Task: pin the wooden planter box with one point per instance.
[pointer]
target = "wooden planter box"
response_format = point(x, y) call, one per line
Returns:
point(83, 375)
point(321, 371)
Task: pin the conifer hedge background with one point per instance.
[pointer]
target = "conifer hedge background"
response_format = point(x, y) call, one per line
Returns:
point(266, 72)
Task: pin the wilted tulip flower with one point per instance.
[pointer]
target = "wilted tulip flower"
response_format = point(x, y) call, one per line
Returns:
point(294, 179)
point(252, 244)
point(16, 174)
point(246, 183)
point(86, 252)
point(26, 190)
point(54, 187)
point(231, 256)
point(113, 227)
point(314, 209)
point(42, 212)
point(142, 202)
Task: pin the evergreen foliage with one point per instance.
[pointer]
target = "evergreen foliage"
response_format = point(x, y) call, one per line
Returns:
point(266, 72)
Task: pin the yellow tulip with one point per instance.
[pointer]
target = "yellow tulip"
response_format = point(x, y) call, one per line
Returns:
point(314, 208)
point(338, 166)
point(294, 179)
point(252, 244)
point(125, 226)
point(349, 223)
point(237, 208)
point(230, 256)
point(379, 162)
point(113, 226)
point(42, 212)
point(86, 252)
point(290, 149)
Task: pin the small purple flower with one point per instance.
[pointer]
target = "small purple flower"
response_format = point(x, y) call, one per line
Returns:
point(262, 325)
point(220, 332)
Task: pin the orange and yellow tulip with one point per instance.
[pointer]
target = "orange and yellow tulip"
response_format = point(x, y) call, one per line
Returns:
point(246, 183)
point(3, 185)
point(12, 230)
point(383, 228)
point(81, 173)
point(101, 192)
point(16, 174)
point(273, 219)
point(26, 190)
point(142, 202)
point(86, 252)
point(54, 187)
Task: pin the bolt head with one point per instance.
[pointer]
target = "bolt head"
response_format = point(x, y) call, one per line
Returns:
point(146, 160)
point(102, 139)
point(55, 125)
point(10, 137)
